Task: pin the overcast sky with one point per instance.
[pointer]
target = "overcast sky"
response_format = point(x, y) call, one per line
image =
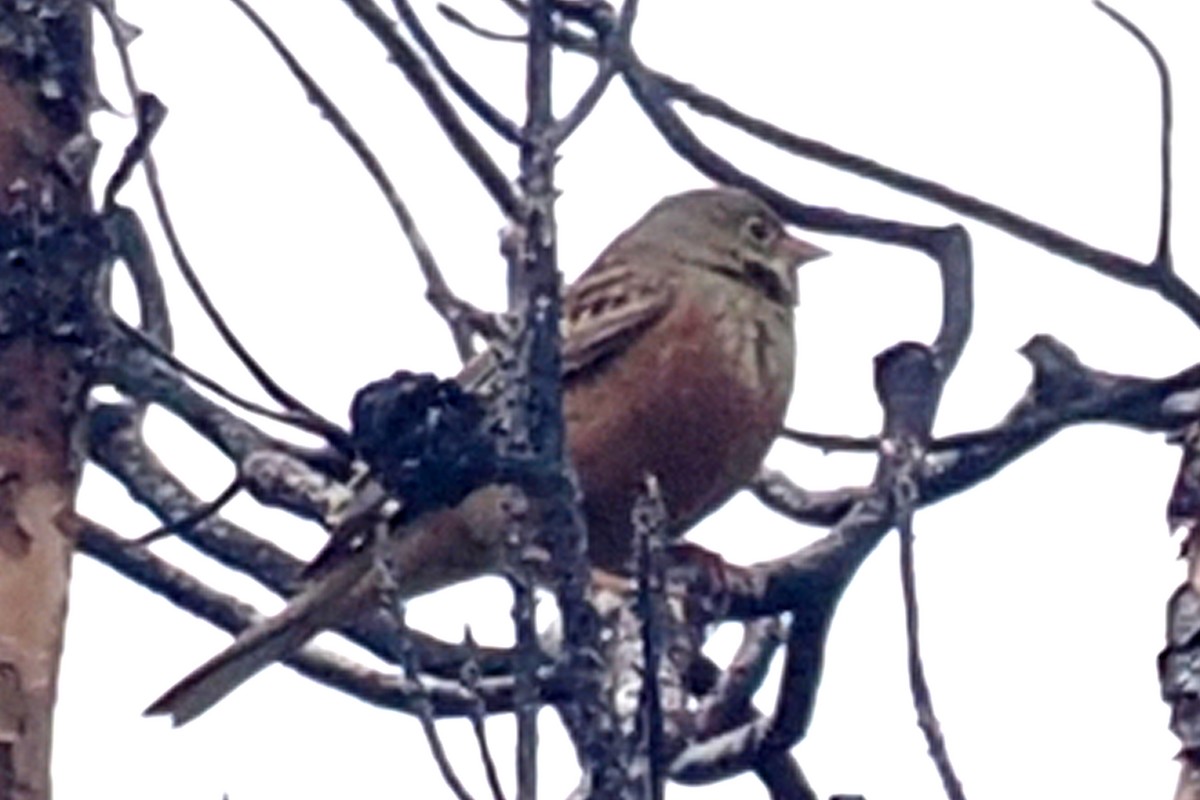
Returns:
point(1042, 590)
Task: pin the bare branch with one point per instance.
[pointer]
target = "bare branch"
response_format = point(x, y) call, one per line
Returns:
point(457, 314)
point(130, 244)
point(535, 424)
point(1162, 258)
point(1063, 393)
point(922, 699)
point(150, 112)
point(735, 688)
point(502, 125)
point(607, 32)
point(586, 104)
point(205, 511)
point(655, 89)
point(301, 421)
point(227, 613)
point(831, 443)
point(528, 651)
point(784, 780)
point(142, 375)
point(459, 19)
point(1107, 263)
point(470, 675)
point(116, 445)
point(424, 708)
point(463, 141)
point(649, 520)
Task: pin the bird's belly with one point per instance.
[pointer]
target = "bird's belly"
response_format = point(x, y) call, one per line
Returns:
point(689, 409)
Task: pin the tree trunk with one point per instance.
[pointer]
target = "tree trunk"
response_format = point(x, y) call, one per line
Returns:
point(45, 90)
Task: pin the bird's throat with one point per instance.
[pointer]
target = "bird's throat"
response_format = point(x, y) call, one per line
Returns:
point(757, 276)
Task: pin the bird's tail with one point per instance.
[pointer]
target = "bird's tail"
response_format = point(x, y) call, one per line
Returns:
point(320, 605)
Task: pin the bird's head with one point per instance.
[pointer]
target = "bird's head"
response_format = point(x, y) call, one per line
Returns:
point(731, 232)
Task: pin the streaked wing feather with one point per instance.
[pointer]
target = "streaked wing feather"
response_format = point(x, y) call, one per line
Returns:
point(606, 311)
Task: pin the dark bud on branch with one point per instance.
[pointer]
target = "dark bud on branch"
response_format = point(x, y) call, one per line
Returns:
point(424, 439)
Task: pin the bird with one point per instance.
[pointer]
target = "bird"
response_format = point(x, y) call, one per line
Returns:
point(678, 353)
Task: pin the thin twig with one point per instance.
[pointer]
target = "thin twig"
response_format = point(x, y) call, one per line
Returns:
point(470, 675)
point(456, 17)
point(116, 446)
point(922, 698)
point(457, 314)
point(424, 713)
point(136, 372)
point(131, 244)
point(909, 379)
point(464, 142)
point(423, 707)
point(229, 614)
point(1162, 257)
point(502, 125)
point(586, 103)
point(654, 102)
point(188, 521)
point(1113, 265)
point(1108, 263)
point(149, 108)
point(317, 426)
point(150, 117)
point(831, 443)
point(605, 70)
point(735, 688)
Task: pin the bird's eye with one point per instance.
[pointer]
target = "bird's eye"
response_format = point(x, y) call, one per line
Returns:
point(758, 230)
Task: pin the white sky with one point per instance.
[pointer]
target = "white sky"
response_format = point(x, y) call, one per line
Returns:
point(1042, 591)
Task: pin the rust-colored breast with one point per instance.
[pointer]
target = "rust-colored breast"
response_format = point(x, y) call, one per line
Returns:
point(696, 400)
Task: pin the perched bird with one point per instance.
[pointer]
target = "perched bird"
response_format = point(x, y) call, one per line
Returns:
point(678, 353)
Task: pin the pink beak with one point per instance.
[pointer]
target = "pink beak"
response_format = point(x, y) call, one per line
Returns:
point(799, 251)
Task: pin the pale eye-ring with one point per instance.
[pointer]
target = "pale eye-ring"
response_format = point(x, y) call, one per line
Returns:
point(758, 230)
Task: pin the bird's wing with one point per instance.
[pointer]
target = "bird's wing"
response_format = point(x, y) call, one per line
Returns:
point(605, 311)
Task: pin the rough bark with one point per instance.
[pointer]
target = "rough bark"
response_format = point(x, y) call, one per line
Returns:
point(45, 80)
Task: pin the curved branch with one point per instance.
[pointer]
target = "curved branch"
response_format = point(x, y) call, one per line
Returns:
point(116, 446)
point(1063, 393)
point(457, 314)
point(229, 614)
point(301, 421)
point(1162, 257)
point(150, 112)
point(463, 141)
point(131, 245)
point(504, 127)
point(660, 88)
